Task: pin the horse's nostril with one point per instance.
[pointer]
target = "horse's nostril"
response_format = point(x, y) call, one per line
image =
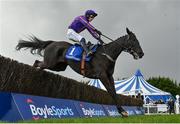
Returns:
point(142, 54)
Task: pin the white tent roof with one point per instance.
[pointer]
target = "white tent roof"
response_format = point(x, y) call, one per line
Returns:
point(132, 86)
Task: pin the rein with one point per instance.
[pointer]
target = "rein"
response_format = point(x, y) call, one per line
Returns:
point(107, 37)
point(117, 42)
point(109, 57)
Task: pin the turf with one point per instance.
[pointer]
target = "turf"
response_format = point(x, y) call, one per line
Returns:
point(131, 119)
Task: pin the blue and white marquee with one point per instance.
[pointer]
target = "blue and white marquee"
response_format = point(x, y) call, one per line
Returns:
point(134, 86)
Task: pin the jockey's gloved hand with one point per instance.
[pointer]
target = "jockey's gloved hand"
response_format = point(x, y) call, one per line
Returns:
point(97, 31)
point(100, 41)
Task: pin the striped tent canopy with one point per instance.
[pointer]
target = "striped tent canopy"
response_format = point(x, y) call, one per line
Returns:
point(134, 86)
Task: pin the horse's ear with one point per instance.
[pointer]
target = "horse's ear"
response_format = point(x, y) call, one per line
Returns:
point(128, 31)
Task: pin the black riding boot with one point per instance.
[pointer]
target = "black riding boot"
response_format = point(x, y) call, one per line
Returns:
point(83, 44)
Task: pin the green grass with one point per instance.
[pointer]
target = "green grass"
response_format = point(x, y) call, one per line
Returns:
point(131, 119)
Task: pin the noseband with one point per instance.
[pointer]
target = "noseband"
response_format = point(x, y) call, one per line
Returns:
point(128, 49)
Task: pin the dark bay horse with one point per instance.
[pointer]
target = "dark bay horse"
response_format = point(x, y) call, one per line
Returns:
point(100, 67)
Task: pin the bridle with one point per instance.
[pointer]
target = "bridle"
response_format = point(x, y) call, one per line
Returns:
point(128, 49)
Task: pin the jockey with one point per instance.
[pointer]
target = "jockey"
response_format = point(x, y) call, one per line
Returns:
point(81, 23)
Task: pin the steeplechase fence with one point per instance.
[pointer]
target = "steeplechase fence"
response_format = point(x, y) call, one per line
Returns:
point(24, 83)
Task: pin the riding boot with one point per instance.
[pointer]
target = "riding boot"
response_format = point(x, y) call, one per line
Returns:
point(83, 44)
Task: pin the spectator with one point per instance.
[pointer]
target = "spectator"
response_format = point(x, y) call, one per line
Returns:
point(162, 102)
point(171, 106)
point(147, 100)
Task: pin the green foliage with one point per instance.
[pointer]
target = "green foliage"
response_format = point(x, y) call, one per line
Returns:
point(165, 84)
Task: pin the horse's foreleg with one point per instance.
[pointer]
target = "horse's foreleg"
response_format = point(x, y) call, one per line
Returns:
point(108, 82)
point(120, 109)
point(109, 86)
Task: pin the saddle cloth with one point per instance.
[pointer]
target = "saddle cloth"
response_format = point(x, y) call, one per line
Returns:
point(75, 52)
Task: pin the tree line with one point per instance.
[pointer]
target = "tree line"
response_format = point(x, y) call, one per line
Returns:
point(165, 84)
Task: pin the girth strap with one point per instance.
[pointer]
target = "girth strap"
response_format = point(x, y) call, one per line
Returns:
point(83, 64)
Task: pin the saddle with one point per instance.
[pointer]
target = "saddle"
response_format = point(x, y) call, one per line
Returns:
point(75, 52)
point(90, 45)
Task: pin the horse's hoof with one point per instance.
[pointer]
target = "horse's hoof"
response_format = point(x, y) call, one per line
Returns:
point(35, 63)
point(124, 114)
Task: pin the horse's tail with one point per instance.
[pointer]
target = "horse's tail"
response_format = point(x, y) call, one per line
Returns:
point(36, 45)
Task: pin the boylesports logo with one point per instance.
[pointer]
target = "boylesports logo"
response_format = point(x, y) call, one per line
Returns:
point(91, 111)
point(112, 112)
point(46, 111)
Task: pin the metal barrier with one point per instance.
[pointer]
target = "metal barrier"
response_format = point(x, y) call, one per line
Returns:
point(160, 108)
point(155, 108)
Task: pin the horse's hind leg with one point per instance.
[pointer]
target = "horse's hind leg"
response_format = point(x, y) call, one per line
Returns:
point(59, 67)
point(36, 63)
point(39, 64)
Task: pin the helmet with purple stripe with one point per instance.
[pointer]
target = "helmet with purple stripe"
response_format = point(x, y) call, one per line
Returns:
point(88, 13)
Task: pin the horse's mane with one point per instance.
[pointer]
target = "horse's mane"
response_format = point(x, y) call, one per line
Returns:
point(121, 38)
point(115, 43)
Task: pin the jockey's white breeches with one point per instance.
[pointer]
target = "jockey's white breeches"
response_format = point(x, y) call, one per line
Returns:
point(72, 35)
